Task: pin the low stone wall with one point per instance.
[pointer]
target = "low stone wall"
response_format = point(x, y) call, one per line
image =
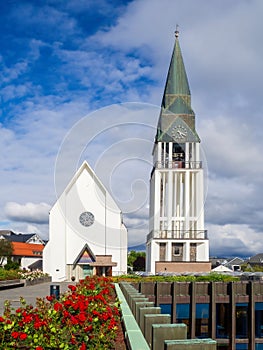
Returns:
point(37, 281)
point(7, 284)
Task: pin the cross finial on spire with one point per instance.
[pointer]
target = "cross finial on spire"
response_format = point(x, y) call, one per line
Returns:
point(177, 31)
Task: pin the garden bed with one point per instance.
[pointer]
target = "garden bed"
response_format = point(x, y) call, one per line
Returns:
point(36, 281)
point(85, 317)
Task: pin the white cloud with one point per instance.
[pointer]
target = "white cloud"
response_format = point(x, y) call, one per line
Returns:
point(233, 240)
point(231, 147)
point(29, 212)
point(11, 73)
point(33, 228)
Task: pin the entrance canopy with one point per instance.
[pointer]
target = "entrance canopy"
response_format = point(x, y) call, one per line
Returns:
point(103, 260)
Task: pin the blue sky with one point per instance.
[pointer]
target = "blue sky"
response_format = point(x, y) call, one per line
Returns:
point(62, 61)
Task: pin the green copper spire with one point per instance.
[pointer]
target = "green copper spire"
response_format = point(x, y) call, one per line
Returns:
point(176, 101)
point(176, 83)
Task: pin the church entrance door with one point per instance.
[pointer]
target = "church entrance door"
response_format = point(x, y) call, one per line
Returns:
point(87, 270)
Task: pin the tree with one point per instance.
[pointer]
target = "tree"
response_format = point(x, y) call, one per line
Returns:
point(139, 264)
point(6, 250)
point(133, 256)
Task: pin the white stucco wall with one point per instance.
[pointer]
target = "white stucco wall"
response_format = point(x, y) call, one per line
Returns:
point(67, 236)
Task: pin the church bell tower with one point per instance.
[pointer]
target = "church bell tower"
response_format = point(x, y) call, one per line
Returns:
point(177, 240)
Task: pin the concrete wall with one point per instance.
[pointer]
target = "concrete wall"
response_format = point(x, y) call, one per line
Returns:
point(168, 266)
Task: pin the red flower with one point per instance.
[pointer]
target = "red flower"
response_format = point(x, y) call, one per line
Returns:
point(23, 336)
point(92, 286)
point(58, 306)
point(50, 297)
point(83, 346)
point(72, 288)
point(112, 324)
point(15, 334)
point(82, 317)
point(27, 318)
point(2, 319)
point(66, 313)
point(105, 316)
point(88, 328)
point(67, 303)
point(73, 340)
point(39, 348)
point(37, 324)
point(73, 320)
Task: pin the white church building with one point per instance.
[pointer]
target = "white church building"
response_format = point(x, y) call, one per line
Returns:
point(86, 232)
point(177, 240)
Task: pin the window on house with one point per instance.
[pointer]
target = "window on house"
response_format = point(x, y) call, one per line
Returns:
point(37, 252)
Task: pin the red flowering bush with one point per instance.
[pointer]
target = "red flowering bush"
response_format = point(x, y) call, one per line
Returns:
point(83, 318)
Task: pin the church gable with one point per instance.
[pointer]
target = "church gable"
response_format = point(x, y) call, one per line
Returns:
point(85, 169)
point(85, 195)
point(86, 186)
point(86, 256)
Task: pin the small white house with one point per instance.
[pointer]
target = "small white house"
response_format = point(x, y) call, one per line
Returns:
point(27, 249)
point(86, 232)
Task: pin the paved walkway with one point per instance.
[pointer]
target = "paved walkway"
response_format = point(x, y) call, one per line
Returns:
point(30, 293)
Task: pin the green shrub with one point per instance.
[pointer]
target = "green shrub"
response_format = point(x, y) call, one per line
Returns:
point(211, 277)
point(217, 277)
point(11, 265)
point(8, 274)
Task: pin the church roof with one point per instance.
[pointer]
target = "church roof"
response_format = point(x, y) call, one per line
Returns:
point(176, 102)
point(176, 81)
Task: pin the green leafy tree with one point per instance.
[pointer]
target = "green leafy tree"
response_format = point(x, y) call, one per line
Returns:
point(139, 264)
point(136, 265)
point(6, 250)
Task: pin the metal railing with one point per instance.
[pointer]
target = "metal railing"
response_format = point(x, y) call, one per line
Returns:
point(178, 234)
point(178, 164)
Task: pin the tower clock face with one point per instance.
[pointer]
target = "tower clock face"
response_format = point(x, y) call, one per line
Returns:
point(86, 218)
point(179, 132)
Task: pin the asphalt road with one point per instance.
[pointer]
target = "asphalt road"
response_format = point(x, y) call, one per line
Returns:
point(30, 293)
